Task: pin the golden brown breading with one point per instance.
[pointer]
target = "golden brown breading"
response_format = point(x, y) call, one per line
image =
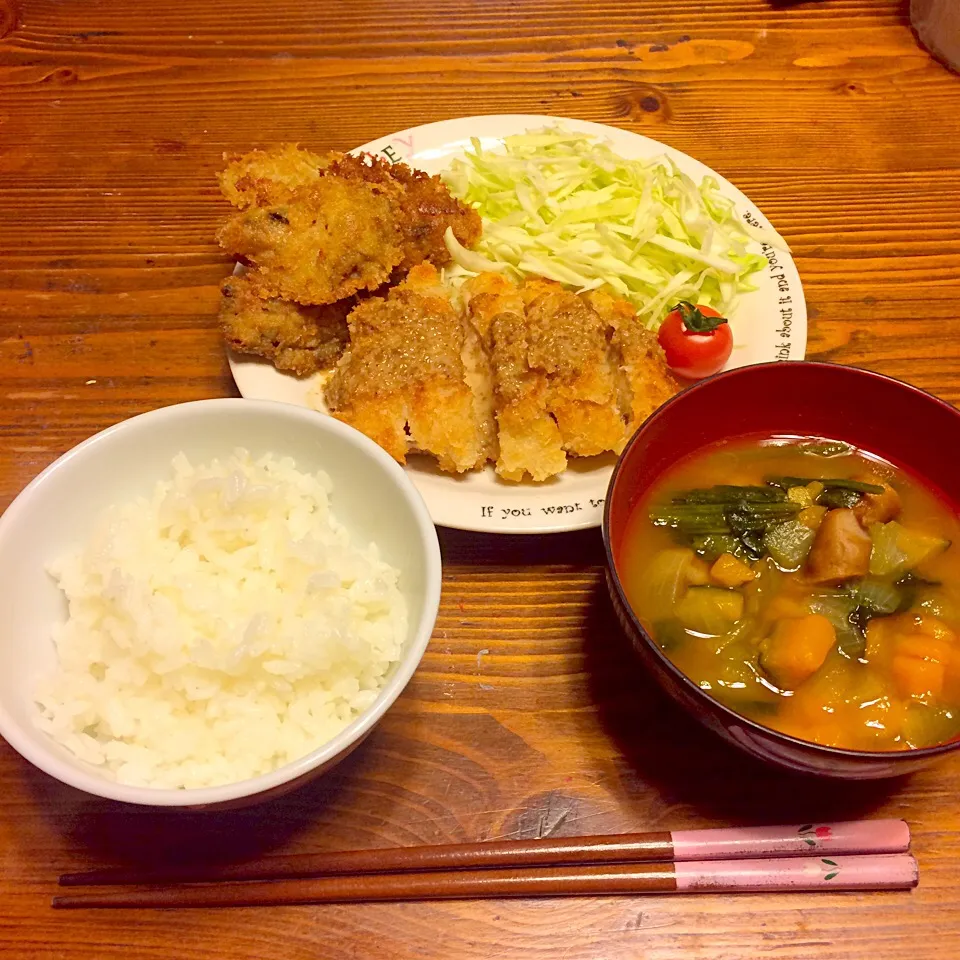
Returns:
point(299, 339)
point(330, 239)
point(644, 379)
point(527, 374)
point(568, 342)
point(529, 439)
point(403, 371)
point(479, 378)
point(265, 177)
point(425, 207)
point(323, 227)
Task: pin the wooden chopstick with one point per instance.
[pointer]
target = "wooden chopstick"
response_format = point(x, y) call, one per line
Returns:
point(874, 872)
point(856, 837)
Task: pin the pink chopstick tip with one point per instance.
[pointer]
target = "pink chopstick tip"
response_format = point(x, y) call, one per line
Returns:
point(846, 837)
point(897, 871)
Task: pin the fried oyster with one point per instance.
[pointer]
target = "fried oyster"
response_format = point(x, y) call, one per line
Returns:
point(317, 231)
point(321, 228)
point(297, 339)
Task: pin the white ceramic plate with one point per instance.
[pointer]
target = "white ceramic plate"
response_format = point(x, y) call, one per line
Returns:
point(768, 324)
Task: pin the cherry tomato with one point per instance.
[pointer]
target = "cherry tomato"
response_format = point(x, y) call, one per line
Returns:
point(696, 340)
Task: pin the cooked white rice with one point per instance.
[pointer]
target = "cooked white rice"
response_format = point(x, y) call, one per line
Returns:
point(220, 629)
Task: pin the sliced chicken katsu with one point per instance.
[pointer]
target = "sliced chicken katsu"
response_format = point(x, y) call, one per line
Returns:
point(298, 339)
point(644, 380)
point(528, 436)
point(567, 341)
point(402, 380)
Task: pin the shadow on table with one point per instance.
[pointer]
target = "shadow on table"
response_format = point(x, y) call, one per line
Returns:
point(903, 8)
point(103, 831)
point(669, 751)
point(582, 547)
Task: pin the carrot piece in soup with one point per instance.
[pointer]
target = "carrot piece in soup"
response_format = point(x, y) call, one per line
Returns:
point(730, 571)
point(784, 605)
point(924, 648)
point(883, 717)
point(797, 649)
point(877, 507)
point(934, 627)
point(917, 678)
point(841, 549)
point(882, 633)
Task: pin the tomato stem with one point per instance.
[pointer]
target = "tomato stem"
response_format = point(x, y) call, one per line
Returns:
point(695, 321)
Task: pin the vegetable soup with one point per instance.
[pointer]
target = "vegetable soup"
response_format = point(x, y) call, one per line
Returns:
point(806, 585)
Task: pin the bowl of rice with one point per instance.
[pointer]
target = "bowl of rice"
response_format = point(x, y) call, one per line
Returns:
point(210, 603)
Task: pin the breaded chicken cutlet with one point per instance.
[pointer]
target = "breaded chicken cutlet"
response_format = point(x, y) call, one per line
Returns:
point(402, 380)
point(552, 374)
point(568, 342)
point(644, 379)
point(529, 439)
point(297, 339)
point(320, 228)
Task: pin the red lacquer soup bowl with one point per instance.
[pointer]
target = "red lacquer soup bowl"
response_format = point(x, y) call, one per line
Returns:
point(890, 419)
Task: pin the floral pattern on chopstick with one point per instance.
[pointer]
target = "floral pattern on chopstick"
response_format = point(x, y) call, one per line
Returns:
point(831, 867)
point(808, 832)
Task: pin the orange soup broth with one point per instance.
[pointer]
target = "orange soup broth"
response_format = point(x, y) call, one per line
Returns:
point(848, 702)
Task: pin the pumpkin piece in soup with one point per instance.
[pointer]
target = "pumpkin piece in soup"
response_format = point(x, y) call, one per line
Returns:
point(805, 495)
point(916, 677)
point(886, 635)
point(896, 549)
point(842, 705)
point(796, 649)
point(710, 610)
point(664, 581)
point(915, 650)
point(731, 571)
point(877, 507)
point(920, 660)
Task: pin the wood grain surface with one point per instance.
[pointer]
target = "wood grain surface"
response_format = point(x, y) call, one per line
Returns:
point(528, 716)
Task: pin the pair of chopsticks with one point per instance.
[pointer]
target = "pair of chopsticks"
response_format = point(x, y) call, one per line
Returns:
point(858, 855)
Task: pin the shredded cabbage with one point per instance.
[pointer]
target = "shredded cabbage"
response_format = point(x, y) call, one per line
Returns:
point(563, 205)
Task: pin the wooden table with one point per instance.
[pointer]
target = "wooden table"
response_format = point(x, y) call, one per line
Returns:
point(528, 716)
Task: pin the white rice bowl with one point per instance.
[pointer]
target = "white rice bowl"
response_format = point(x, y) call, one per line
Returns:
point(219, 630)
